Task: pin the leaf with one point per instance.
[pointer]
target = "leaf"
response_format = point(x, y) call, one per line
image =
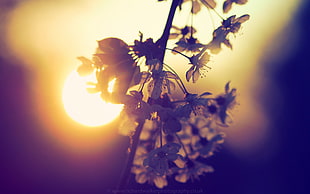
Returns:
point(113, 51)
point(108, 45)
point(86, 68)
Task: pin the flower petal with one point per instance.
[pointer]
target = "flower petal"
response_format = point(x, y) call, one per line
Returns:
point(86, 68)
point(189, 73)
point(182, 178)
point(205, 58)
point(196, 75)
point(243, 18)
point(141, 178)
point(160, 182)
point(227, 6)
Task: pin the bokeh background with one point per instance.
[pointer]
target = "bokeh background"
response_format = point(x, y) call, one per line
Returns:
point(44, 151)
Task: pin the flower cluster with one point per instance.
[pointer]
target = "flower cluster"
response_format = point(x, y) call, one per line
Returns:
point(174, 135)
point(201, 53)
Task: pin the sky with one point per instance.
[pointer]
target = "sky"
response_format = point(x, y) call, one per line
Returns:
point(44, 151)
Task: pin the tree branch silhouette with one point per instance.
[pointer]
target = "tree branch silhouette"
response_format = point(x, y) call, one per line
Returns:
point(162, 43)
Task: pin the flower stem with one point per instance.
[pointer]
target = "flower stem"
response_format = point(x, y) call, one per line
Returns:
point(210, 7)
point(161, 135)
point(179, 53)
point(179, 81)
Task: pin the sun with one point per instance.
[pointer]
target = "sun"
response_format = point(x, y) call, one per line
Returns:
point(86, 108)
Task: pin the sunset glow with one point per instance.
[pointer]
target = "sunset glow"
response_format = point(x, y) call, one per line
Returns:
point(86, 108)
point(54, 34)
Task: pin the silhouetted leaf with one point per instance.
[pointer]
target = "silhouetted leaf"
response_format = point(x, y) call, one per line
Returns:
point(109, 45)
point(86, 68)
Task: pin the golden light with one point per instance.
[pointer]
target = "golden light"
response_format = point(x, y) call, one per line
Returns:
point(84, 107)
point(48, 36)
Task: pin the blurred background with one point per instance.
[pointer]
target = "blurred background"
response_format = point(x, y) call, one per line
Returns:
point(43, 150)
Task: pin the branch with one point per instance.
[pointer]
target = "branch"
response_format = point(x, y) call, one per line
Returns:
point(162, 41)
